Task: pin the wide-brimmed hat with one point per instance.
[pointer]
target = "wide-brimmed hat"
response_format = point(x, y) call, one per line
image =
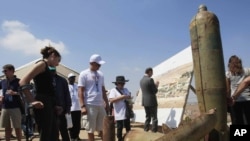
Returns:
point(120, 79)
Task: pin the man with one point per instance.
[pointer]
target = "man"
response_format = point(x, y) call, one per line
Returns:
point(63, 103)
point(10, 100)
point(149, 100)
point(91, 92)
point(75, 108)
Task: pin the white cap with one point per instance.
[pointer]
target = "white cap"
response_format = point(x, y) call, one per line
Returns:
point(71, 75)
point(96, 58)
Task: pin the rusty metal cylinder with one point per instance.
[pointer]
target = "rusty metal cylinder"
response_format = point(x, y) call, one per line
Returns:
point(209, 69)
point(108, 128)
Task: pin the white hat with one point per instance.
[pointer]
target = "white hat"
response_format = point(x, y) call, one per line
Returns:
point(96, 58)
point(71, 75)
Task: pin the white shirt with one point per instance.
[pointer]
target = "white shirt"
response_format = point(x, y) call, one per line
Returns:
point(73, 90)
point(92, 81)
point(235, 80)
point(119, 106)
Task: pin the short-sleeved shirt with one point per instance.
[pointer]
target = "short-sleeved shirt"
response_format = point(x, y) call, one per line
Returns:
point(10, 101)
point(119, 106)
point(74, 98)
point(235, 80)
point(92, 81)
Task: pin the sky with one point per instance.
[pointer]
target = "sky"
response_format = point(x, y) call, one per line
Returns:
point(130, 35)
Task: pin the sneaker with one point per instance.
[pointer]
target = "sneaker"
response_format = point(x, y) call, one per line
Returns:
point(12, 136)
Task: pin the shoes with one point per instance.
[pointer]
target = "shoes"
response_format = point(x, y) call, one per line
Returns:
point(12, 136)
point(31, 137)
point(77, 139)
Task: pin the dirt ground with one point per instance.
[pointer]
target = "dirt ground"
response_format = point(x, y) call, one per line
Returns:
point(191, 111)
point(83, 136)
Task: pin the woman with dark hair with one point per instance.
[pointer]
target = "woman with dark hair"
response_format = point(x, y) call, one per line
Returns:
point(234, 76)
point(44, 101)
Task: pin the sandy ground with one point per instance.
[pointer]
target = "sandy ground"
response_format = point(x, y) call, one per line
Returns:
point(83, 136)
point(191, 110)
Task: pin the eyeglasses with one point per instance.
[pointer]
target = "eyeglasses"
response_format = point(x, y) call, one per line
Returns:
point(4, 71)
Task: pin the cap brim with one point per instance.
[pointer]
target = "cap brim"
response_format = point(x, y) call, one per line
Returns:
point(101, 62)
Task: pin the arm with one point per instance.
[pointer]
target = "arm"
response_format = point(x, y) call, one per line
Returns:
point(228, 83)
point(67, 96)
point(154, 86)
point(81, 99)
point(243, 85)
point(122, 97)
point(105, 98)
point(38, 68)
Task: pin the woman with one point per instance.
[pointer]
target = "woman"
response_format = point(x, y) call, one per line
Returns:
point(44, 101)
point(117, 96)
point(234, 76)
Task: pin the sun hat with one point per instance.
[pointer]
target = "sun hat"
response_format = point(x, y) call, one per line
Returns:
point(120, 79)
point(71, 75)
point(97, 59)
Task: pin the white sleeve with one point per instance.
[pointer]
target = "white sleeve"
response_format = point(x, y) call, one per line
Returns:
point(81, 80)
point(247, 71)
point(112, 93)
point(228, 74)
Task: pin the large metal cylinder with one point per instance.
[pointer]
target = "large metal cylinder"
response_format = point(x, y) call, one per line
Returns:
point(108, 128)
point(209, 69)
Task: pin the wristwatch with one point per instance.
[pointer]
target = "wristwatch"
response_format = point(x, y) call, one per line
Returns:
point(83, 106)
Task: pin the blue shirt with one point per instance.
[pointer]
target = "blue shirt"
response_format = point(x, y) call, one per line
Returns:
point(10, 101)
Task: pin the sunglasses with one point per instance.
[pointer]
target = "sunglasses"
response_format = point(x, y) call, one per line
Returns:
point(4, 71)
point(121, 83)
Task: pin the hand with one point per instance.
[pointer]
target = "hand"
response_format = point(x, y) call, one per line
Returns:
point(37, 104)
point(157, 83)
point(229, 101)
point(1, 100)
point(126, 96)
point(10, 92)
point(58, 110)
point(84, 110)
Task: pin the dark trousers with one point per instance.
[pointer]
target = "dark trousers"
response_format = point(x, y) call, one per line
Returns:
point(120, 124)
point(151, 111)
point(240, 113)
point(46, 119)
point(76, 121)
point(62, 124)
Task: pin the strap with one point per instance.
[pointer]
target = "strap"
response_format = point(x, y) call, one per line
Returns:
point(44, 62)
point(119, 91)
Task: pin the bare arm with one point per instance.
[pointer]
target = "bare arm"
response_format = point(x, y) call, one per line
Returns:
point(122, 97)
point(228, 83)
point(243, 85)
point(38, 68)
point(81, 95)
point(81, 90)
point(105, 98)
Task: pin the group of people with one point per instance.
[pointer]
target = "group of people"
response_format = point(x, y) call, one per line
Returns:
point(55, 96)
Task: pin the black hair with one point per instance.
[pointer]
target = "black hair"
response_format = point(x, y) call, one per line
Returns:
point(47, 51)
point(148, 70)
point(9, 67)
